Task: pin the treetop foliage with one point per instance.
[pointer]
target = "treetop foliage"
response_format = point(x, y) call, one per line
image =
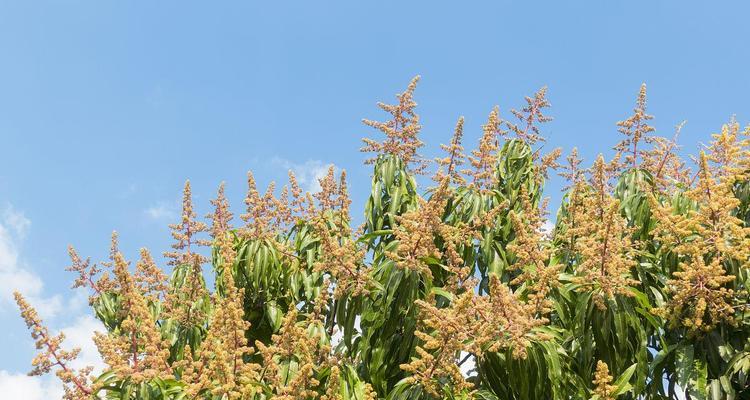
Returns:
point(459, 291)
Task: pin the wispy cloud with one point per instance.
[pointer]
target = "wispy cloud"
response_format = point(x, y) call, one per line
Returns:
point(14, 274)
point(308, 173)
point(162, 211)
point(16, 220)
point(128, 191)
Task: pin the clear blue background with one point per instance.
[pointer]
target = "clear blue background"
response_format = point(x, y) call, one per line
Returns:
point(107, 107)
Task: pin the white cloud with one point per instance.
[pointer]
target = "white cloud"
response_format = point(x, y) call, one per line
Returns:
point(308, 173)
point(13, 274)
point(80, 335)
point(78, 301)
point(21, 386)
point(547, 227)
point(162, 211)
point(16, 221)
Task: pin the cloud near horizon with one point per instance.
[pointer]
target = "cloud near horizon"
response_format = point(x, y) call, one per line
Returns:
point(16, 276)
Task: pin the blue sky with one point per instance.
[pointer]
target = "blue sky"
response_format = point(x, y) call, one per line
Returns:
point(107, 107)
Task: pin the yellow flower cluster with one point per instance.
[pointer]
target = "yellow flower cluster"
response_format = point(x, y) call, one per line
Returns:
point(603, 386)
point(401, 131)
point(532, 255)
point(708, 237)
point(531, 115)
point(137, 349)
point(636, 129)
point(600, 237)
point(484, 158)
point(472, 323)
point(186, 233)
point(77, 384)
